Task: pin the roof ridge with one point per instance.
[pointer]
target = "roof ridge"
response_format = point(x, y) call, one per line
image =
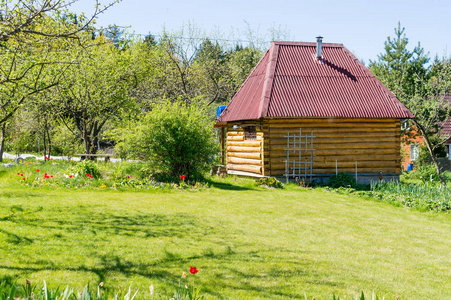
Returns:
point(309, 44)
point(269, 79)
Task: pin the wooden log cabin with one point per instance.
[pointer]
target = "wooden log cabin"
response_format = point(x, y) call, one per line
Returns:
point(324, 91)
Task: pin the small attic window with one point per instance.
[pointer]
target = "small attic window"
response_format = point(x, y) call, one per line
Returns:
point(250, 133)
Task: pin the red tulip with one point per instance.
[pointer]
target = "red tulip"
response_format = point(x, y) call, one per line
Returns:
point(193, 270)
point(37, 170)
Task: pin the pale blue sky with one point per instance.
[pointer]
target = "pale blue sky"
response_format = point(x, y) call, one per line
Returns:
point(362, 26)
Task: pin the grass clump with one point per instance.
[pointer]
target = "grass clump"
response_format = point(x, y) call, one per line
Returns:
point(269, 182)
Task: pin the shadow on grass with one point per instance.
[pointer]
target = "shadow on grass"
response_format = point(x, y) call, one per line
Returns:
point(230, 276)
point(228, 186)
point(111, 230)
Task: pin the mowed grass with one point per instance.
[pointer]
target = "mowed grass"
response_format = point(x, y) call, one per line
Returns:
point(247, 242)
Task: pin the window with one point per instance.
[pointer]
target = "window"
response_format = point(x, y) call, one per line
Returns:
point(250, 133)
point(414, 151)
point(405, 124)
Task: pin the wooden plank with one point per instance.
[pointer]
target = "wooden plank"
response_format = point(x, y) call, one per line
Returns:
point(343, 134)
point(245, 143)
point(246, 161)
point(246, 168)
point(349, 164)
point(339, 140)
point(336, 152)
point(235, 137)
point(317, 130)
point(243, 149)
point(252, 155)
point(235, 133)
point(382, 145)
point(241, 173)
point(361, 157)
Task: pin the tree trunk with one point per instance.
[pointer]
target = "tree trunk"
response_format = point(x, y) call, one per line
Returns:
point(2, 141)
point(94, 138)
point(429, 146)
point(50, 141)
point(45, 146)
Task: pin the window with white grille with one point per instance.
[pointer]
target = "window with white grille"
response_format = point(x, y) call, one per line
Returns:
point(414, 151)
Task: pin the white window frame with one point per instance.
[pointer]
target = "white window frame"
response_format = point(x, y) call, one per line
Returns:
point(414, 151)
point(405, 124)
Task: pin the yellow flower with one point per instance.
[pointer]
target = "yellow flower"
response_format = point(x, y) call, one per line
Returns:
point(184, 275)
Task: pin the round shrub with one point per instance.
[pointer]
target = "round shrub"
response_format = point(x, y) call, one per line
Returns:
point(177, 139)
point(342, 180)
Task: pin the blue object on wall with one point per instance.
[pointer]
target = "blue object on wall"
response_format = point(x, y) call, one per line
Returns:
point(219, 110)
point(409, 167)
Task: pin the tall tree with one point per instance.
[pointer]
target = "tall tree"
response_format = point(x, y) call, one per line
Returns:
point(32, 33)
point(406, 74)
point(96, 90)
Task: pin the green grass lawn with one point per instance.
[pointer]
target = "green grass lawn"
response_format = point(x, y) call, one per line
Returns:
point(247, 242)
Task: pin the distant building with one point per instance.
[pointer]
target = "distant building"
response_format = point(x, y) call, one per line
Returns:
point(412, 140)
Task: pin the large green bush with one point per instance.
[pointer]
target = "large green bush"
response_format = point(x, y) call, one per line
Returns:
point(177, 138)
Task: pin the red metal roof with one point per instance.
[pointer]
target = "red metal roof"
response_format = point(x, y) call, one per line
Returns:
point(290, 82)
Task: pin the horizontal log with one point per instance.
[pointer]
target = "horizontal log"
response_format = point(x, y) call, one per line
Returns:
point(332, 135)
point(331, 120)
point(246, 168)
point(361, 157)
point(235, 137)
point(339, 158)
point(321, 140)
point(252, 155)
point(333, 125)
point(246, 161)
point(349, 164)
point(345, 170)
point(243, 149)
point(235, 132)
point(333, 152)
point(317, 130)
point(383, 145)
point(245, 143)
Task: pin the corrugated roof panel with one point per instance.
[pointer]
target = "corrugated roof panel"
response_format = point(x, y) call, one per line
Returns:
point(245, 103)
point(301, 86)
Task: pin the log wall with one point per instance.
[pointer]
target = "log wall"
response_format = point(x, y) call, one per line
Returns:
point(373, 143)
point(245, 155)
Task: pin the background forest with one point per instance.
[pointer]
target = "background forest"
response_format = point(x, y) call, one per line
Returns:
point(83, 90)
